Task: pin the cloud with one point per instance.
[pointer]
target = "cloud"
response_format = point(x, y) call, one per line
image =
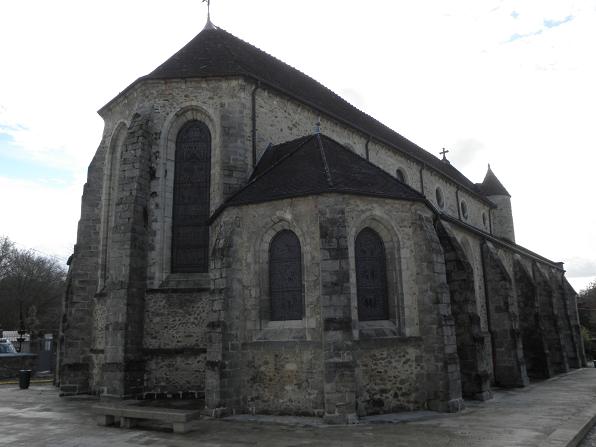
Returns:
point(580, 267)
point(465, 151)
point(40, 215)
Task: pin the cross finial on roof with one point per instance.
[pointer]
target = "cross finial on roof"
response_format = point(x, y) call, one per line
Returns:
point(209, 24)
point(443, 152)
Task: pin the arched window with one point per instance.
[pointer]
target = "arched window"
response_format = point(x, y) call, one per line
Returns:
point(285, 277)
point(400, 175)
point(371, 276)
point(190, 214)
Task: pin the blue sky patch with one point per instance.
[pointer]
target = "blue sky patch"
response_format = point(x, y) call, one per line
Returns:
point(19, 168)
point(554, 23)
point(514, 14)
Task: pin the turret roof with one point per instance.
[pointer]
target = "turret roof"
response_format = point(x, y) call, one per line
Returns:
point(491, 186)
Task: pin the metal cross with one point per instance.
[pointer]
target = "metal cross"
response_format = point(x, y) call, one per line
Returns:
point(443, 152)
point(208, 8)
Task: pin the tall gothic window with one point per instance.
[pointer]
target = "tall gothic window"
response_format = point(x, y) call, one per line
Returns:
point(190, 214)
point(285, 277)
point(371, 276)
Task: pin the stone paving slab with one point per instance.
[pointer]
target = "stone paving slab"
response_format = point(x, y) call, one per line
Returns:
point(556, 412)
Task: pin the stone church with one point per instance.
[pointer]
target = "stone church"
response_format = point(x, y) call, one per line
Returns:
point(249, 238)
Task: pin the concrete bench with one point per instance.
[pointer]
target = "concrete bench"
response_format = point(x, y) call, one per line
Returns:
point(130, 415)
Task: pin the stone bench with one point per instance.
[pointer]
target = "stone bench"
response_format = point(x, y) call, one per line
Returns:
point(130, 415)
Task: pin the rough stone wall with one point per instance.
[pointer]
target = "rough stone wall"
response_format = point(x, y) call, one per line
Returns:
point(336, 311)
point(74, 361)
point(123, 369)
point(442, 377)
point(224, 106)
point(284, 377)
point(98, 342)
point(281, 119)
point(567, 338)
point(549, 320)
point(502, 218)
point(472, 246)
point(174, 341)
point(281, 367)
point(508, 360)
point(532, 332)
point(388, 375)
point(475, 377)
point(571, 302)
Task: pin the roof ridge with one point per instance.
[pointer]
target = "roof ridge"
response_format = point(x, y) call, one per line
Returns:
point(278, 162)
point(325, 164)
point(378, 168)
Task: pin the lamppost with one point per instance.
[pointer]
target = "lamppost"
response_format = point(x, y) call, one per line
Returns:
point(21, 330)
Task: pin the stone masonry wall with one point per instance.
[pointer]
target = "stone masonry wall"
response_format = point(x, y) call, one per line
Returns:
point(389, 374)
point(123, 369)
point(509, 364)
point(174, 341)
point(76, 325)
point(281, 119)
point(284, 377)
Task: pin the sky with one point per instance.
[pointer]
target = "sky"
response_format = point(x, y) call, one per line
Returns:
point(510, 83)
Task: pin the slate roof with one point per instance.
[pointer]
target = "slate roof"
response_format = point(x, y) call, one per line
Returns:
point(215, 52)
point(317, 164)
point(491, 186)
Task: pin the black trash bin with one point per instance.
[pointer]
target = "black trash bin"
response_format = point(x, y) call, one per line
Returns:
point(24, 378)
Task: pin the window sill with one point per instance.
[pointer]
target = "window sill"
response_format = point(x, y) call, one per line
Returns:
point(377, 329)
point(186, 281)
point(288, 330)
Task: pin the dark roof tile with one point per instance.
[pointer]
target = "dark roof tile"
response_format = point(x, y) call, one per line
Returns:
point(491, 186)
point(316, 164)
point(215, 52)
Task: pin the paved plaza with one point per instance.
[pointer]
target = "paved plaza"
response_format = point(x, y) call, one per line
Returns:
point(556, 412)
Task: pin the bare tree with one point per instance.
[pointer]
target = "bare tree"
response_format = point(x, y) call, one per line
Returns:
point(32, 284)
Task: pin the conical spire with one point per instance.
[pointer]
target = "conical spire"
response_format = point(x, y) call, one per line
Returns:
point(491, 186)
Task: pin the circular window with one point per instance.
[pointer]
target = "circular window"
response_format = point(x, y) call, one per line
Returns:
point(439, 196)
point(399, 174)
point(464, 209)
point(484, 218)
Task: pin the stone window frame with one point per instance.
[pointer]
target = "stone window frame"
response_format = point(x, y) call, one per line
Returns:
point(395, 325)
point(463, 206)
point(298, 263)
point(108, 196)
point(163, 276)
point(404, 176)
point(269, 330)
point(439, 197)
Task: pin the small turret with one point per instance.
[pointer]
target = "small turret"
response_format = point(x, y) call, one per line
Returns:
point(502, 216)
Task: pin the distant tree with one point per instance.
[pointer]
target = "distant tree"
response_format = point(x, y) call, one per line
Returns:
point(32, 284)
point(586, 307)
